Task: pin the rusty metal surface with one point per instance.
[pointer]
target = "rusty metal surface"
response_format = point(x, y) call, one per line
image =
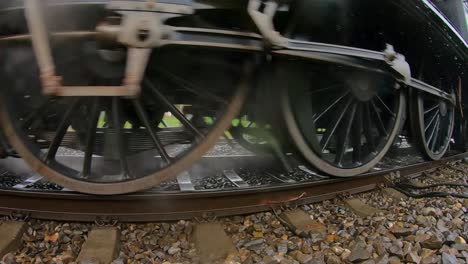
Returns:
point(181, 205)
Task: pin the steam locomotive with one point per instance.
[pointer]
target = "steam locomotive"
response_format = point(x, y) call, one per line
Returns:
point(140, 90)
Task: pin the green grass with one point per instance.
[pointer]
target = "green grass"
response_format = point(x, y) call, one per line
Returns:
point(101, 120)
point(170, 121)
point(243, 121)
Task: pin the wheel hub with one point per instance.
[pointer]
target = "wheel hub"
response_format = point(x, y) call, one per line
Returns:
point(443, 108)
point(362, 89)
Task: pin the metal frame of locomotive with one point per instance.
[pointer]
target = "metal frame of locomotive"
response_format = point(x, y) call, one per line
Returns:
point(105, 72)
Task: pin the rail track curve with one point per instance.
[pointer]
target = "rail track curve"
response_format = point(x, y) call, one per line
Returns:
point(204, 204)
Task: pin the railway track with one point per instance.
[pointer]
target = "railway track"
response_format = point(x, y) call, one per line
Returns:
point(219, 185)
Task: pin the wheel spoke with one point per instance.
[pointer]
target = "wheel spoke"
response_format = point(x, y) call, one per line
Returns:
point(357, 132)
point(385, 106)
point(119, 136)
point(61, 131)
point(330, 107)
point(326, 138)
point(93, 122)
point(157, 142)
point(325, 89)
point(190, 87)
point(380, 124)
point(436, 137)
point(345, 135)
point(432, 120)
point(176, 112)
point(431, 109)
point(368, 126)
point(433, 131)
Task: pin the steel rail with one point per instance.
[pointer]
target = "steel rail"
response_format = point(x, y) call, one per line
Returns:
point(165, 206)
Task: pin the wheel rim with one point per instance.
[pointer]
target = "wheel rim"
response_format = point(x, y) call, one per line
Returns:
point(434, 119)
point(141, 169)
point(342, 128)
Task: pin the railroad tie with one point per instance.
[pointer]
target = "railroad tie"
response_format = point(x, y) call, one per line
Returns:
point(10, 236)
point(360, 208)
point(301, 223)
point(394, 194)
point(102, 246)
point(416, 183)
point(212, 243)
point(184, 181)
point(235, 178)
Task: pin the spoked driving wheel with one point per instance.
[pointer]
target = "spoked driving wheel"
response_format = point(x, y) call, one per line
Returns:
point(114, 144)
point(343, 121)
point(432, 120)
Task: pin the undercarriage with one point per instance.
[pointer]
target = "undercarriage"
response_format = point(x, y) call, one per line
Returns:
point(143, 89)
